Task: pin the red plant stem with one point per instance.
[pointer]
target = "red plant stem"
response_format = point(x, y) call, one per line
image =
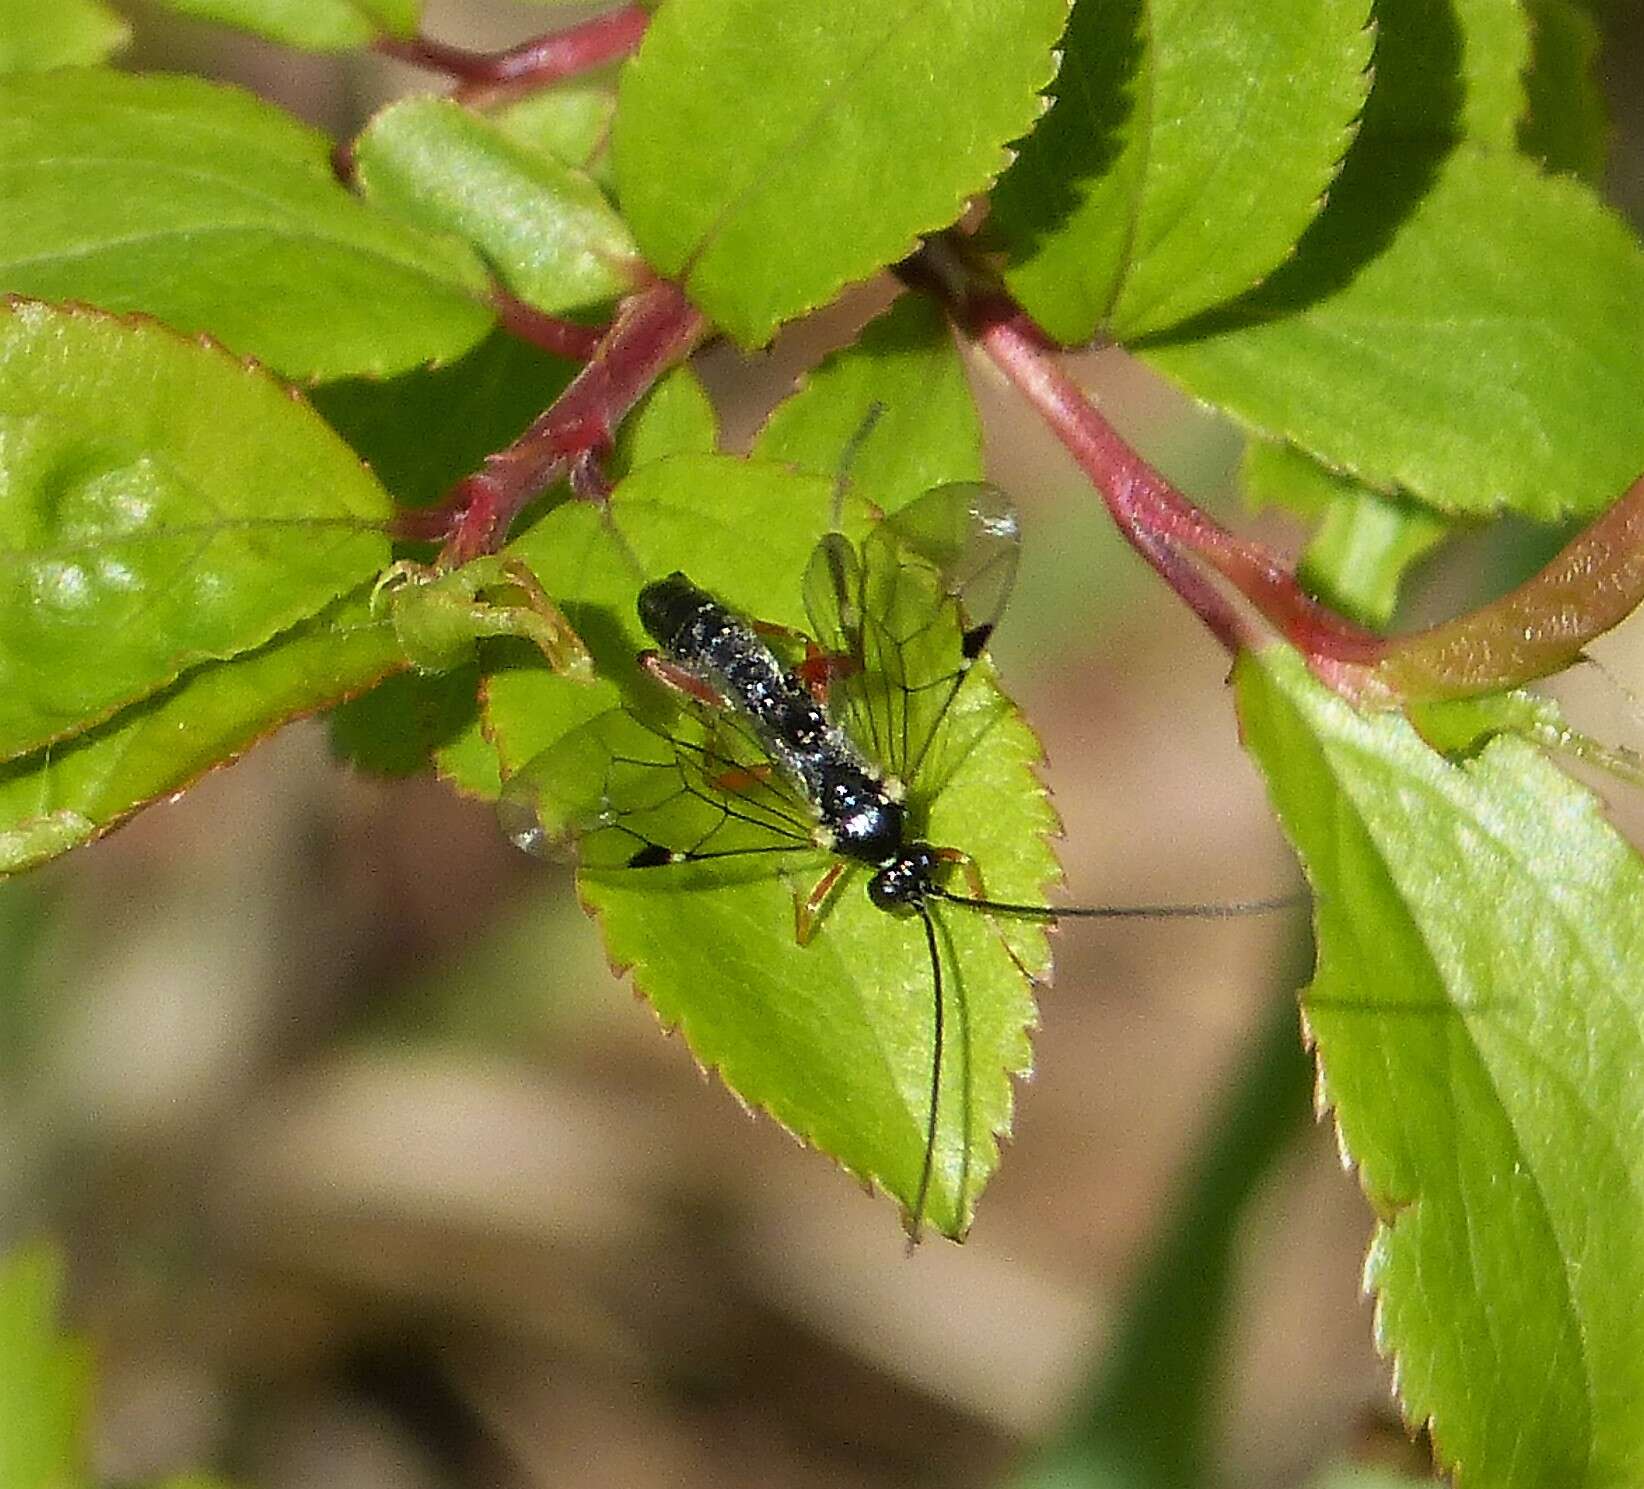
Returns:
point(569, 339)
point(535, 63)
point(1157, 519)
point(653, 330)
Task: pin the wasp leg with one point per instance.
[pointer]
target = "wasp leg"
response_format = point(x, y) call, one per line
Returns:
point(808, 908)
point(972, 871)
point(741, 779)
point(678, 679)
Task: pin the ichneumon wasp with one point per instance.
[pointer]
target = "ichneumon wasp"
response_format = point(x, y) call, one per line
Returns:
point(825, 758)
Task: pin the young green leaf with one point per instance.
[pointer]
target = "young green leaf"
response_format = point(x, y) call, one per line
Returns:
point(544, 226)
point(62, 796)
point(44, 1378)
point(1189, 146)
point(833, 1037)
point(1483, 351)
point(37, 35)
point(768, 155)
point(1477, 1013)
point(926, 431)
point(161, 505)
point(1365, 540)
point(315, 25)
point(215, 212)
point(570, 122)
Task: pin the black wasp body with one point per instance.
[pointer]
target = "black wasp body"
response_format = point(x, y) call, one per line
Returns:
point(859, 810)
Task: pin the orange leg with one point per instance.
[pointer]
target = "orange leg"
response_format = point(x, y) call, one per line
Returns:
point(742, 778)
point(677, 680)
point(808, 908)
point(972, 871)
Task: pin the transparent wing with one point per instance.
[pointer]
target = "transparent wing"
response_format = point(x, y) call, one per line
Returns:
point(913, 608)
point(623, 793)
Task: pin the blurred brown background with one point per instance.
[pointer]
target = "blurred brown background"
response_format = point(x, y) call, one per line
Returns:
point(371, 1175)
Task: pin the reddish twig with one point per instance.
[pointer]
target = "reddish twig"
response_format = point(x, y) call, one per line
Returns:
point(653, 330)
point(533, 64)
point(569, 339)
point(1157, 519)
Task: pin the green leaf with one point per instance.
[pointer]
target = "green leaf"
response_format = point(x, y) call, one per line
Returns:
point(1566, 127)
point(161, 504)
point(1365, 542)
point(422, 431)
point(1486, 354)
point(66, 795)
point(1446, 73)
point(1477, 1014)
point(215, 212)
point(412, 722)
point(315, 25)
point(570, 122)
point(675, 418)
point(926, 432)
point(36, 35)
point(768, 155)
point(44, 1379)
point(1189, 146)
point(832, 1038)
point(544, 226)
point(395, 729)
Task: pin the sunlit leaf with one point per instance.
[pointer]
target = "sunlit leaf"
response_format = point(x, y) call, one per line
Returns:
point(65, 795)
point(905, 374)
point(161, 505)
point(1483, 351)
point(216, 212)
point(545, 227)
point(1477, 1015)
point(1189, 147)
point(832, 1037)
point(39, 34)
point(768, 155)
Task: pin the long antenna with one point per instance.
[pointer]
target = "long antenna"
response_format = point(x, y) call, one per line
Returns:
point(1230, 911)
point(926, 1171)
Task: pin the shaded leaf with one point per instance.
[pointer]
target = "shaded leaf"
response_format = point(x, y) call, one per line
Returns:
point(1477, 1015)
point(36, 35)
point(926, 431)
point(833, 1037)
point(216, 212)
point(1566, 125)
point(1189, 146)
point(66, 795)
point(1447, 73)
point(161, 504)
point(316, 25)
point(545, 227)
point(422, 431)
point(44, 1378)
point(838, 129)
